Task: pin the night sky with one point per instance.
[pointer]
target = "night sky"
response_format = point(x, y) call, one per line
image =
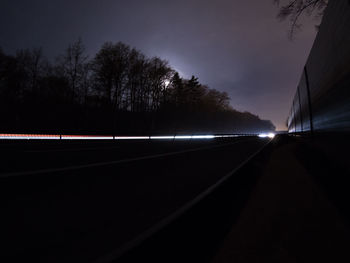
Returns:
point(236, 46)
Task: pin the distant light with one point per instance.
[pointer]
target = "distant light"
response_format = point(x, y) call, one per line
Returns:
point(267, 135)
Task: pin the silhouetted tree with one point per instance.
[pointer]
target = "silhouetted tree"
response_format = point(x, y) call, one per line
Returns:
point(136, 81)
point(11, 79)
point(110, 71)
point(158, 73)
point(120, 85)
point(216, 101)
point(33, 64)
point(194, 93)
point(177, 86)
point(73, 64)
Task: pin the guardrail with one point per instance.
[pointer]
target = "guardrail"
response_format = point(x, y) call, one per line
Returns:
point(322, 98)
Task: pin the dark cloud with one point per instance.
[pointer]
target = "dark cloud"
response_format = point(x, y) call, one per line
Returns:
point(236, 46)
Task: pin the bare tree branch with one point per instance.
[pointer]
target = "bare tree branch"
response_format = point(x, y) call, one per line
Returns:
point(294, 9)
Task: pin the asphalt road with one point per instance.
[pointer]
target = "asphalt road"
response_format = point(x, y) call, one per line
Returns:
point(77, 201)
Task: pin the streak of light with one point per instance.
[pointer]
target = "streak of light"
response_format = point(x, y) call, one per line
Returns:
point(203, 137)
point(162, 137)
point(68, 137)
point(183, 137)
point(28, 137)
point(132, 138)
point(91, 137)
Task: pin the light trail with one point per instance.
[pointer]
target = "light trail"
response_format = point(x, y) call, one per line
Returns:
point(92, 137)
point(131, 138)
point(162, 137)
point(69, 137)
point(28, 137)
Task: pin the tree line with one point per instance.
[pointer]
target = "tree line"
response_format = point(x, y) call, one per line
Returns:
point(117, 91)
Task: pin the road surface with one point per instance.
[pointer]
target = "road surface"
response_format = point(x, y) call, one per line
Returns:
point(77, 201)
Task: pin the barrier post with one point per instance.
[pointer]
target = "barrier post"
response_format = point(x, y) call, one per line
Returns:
point(301, 113)
point(309, 100)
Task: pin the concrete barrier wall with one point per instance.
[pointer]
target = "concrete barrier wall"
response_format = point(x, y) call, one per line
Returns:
point(322, 98)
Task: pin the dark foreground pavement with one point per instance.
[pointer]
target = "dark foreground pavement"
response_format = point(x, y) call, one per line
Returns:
point(299, 209)
point(76, 213)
